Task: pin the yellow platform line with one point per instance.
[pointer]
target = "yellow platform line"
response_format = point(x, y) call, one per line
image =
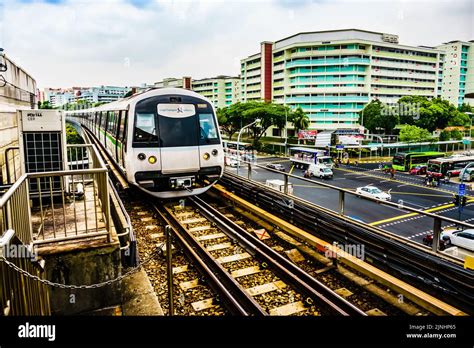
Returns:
point(430, 210)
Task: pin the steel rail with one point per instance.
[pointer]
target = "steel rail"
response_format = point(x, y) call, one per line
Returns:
point(295, 276)
point(236, 299)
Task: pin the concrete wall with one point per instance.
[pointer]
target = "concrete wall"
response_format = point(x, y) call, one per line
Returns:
point(17, 93)
point(82, 263)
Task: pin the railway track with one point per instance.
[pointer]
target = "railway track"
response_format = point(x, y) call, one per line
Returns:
point(258, 278)
point(149, 229)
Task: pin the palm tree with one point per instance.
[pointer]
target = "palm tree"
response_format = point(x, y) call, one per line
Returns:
point(299, 119)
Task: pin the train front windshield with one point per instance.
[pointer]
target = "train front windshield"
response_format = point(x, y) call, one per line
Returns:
point(190, 123)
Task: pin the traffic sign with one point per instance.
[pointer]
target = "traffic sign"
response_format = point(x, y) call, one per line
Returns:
point(462, 189)
point(339, 147)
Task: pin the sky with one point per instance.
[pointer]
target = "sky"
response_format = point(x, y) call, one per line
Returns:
point(64, 43)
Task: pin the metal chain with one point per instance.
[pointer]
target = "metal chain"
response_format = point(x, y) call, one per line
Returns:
point(92, 286)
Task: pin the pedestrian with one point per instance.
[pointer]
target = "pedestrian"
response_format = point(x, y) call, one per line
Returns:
point(380, 166)
point(392, 173)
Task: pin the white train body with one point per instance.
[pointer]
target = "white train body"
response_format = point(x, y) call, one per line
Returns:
point(166, 141)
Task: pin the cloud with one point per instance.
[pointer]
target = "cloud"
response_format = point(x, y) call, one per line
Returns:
point(129, 42)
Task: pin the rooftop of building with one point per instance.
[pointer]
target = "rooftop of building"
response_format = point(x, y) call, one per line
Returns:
point(219, 77)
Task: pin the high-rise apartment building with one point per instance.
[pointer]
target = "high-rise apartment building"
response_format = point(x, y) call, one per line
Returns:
point(458, 72)
point(331, 75)
point(220, 90)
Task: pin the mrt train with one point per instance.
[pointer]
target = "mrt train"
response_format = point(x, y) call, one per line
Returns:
point(165, 141)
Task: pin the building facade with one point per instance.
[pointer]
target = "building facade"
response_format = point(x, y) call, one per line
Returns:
point(171, 82)
point(331, 75)
point(458, 72)
point(222, 91)
point(17, 91)
point(59, 97)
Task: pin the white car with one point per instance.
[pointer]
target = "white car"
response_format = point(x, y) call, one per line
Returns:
point(231, 162)
point(463, 239)
point(373, 192)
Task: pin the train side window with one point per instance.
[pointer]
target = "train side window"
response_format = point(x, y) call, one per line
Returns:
point(116, 123)
point(103, 120)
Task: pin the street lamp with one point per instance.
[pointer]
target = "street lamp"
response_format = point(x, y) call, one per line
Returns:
point(238, 142)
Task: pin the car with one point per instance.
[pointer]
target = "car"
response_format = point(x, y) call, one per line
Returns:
point(373, 192)
point(467, 174)
point(249, 157)
point(418, 170)
point(276, 166)
point(460, 238)
point(231, 162)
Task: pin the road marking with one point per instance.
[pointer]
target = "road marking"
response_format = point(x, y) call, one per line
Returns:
point(291, 170)
point(313, 186)
point(402, 185)
point(420, 194)
point(430, 210)
point(339, 178)
point(395, 180)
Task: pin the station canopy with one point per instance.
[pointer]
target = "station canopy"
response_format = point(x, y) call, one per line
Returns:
point(306, 149)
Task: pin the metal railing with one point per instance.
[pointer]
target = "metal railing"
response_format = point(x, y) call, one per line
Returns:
point(19, 294)
point(437, 220)
point(11, 176)
point(62, 205)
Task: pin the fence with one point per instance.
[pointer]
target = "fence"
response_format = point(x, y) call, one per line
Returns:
point(49, 207)
point(19, 294)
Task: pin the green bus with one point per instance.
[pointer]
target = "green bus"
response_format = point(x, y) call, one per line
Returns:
point(404, 161)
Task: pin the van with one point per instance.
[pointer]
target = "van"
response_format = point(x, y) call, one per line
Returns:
point(279, 185)
point(320, 171)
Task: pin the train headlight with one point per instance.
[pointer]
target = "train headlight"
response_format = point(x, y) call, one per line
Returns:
point(141, 156)
point(206, 156)
point(152, 159)
point(214, 152)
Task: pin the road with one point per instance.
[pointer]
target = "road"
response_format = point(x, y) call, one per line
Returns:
point(408, 190)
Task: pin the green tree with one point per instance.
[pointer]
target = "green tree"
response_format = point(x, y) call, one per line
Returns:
point(444, 135)
point(270, 114)
point(377, 116)
point(230, 117)
point(456, 134)
point(299, 119)
point(465, 108)
point(45, 105)
point(72, 137)
point(429, 114)
point(410, 133)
